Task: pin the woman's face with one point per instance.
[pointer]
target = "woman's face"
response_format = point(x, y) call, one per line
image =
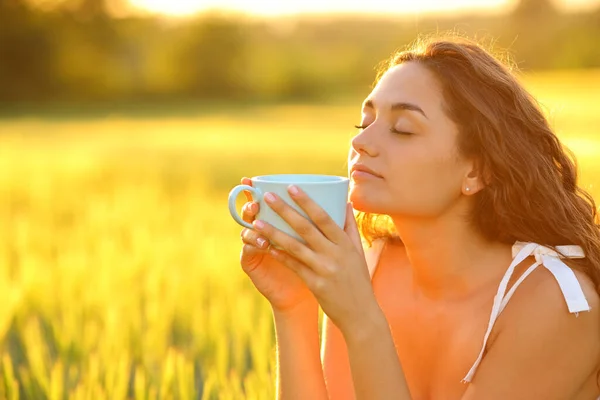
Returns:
point(409, 142)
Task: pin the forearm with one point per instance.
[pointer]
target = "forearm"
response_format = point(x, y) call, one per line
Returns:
point(299, 370)
point(376, 369)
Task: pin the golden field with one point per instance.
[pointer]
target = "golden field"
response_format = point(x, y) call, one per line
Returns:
point(119, 274)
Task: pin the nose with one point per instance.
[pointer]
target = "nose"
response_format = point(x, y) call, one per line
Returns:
point(363, 143)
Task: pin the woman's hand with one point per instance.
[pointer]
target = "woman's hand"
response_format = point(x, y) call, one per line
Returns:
point(280, 285)
point(331, 263)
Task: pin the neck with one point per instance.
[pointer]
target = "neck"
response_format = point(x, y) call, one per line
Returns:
point(449, 260)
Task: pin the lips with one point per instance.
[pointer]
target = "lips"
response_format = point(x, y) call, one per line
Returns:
point(362, 170)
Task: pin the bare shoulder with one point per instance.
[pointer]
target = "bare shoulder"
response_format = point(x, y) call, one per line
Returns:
point(540, 350)
point(538, 312)
point(539, 299)
point(589, 290)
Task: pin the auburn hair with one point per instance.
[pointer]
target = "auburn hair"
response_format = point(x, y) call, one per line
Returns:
point(531, 192)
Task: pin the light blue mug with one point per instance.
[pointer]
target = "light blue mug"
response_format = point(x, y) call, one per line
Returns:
point(328, 191)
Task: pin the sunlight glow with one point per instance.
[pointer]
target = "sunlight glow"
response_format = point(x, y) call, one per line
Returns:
point(278, 7)
point(290, 7)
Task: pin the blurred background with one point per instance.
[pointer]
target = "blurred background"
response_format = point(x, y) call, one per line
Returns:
point(152, 50)
point(124, 124)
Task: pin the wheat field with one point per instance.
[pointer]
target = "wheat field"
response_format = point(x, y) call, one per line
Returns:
point(119, 274)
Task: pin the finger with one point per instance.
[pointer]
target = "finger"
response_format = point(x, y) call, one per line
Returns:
point(253, 238)
point(290, 245)
point(303, 271)
point(300, 224)
point(317, 215)
point(249, 211)
point(249, 253)
point(247, 181)
point(351, 229)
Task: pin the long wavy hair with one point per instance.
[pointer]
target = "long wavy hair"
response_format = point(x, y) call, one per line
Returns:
point(531, 192)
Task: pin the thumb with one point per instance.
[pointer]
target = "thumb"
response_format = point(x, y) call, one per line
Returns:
point(351, 228)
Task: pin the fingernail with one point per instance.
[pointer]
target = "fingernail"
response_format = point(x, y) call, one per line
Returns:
point(258, 224)
point(293, 190)
point(261, 242)
point(269, 197)
point(254, 207)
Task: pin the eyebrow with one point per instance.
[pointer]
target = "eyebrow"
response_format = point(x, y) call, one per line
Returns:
point(399, 106)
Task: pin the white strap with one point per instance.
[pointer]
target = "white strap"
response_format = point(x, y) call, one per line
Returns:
point(524, 253)
point(569, 285)
point(517, 283)
point(549, 258)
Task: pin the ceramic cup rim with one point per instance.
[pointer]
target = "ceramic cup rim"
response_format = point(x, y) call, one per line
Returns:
point(327, 179)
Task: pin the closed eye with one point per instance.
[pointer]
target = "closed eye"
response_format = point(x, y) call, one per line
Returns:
point(394, 130)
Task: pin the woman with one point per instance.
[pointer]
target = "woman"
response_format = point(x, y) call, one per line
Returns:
point(467, 201)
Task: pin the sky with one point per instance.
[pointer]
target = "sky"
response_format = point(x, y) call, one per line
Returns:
point(290, 7)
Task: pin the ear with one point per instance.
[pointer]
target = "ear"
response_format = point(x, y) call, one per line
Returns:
point(472, 182)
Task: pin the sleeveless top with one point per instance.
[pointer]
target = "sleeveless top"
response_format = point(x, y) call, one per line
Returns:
point(544, 256)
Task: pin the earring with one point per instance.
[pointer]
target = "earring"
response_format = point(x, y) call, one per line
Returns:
point(467, 189)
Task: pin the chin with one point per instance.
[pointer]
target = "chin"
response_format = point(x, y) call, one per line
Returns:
point(363, 203)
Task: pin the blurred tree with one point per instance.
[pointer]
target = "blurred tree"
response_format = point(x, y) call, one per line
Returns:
point(93, 49)
point(534, 27)
point(25, 53)
point(534, 10)
point(89, 9)
point(212, 62)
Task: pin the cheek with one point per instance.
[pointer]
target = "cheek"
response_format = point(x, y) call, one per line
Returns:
point(425, 185)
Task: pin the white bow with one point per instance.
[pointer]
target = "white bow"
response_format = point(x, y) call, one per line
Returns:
point(539, 250)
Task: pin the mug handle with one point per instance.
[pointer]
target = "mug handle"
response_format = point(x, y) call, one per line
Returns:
point(235, 192)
